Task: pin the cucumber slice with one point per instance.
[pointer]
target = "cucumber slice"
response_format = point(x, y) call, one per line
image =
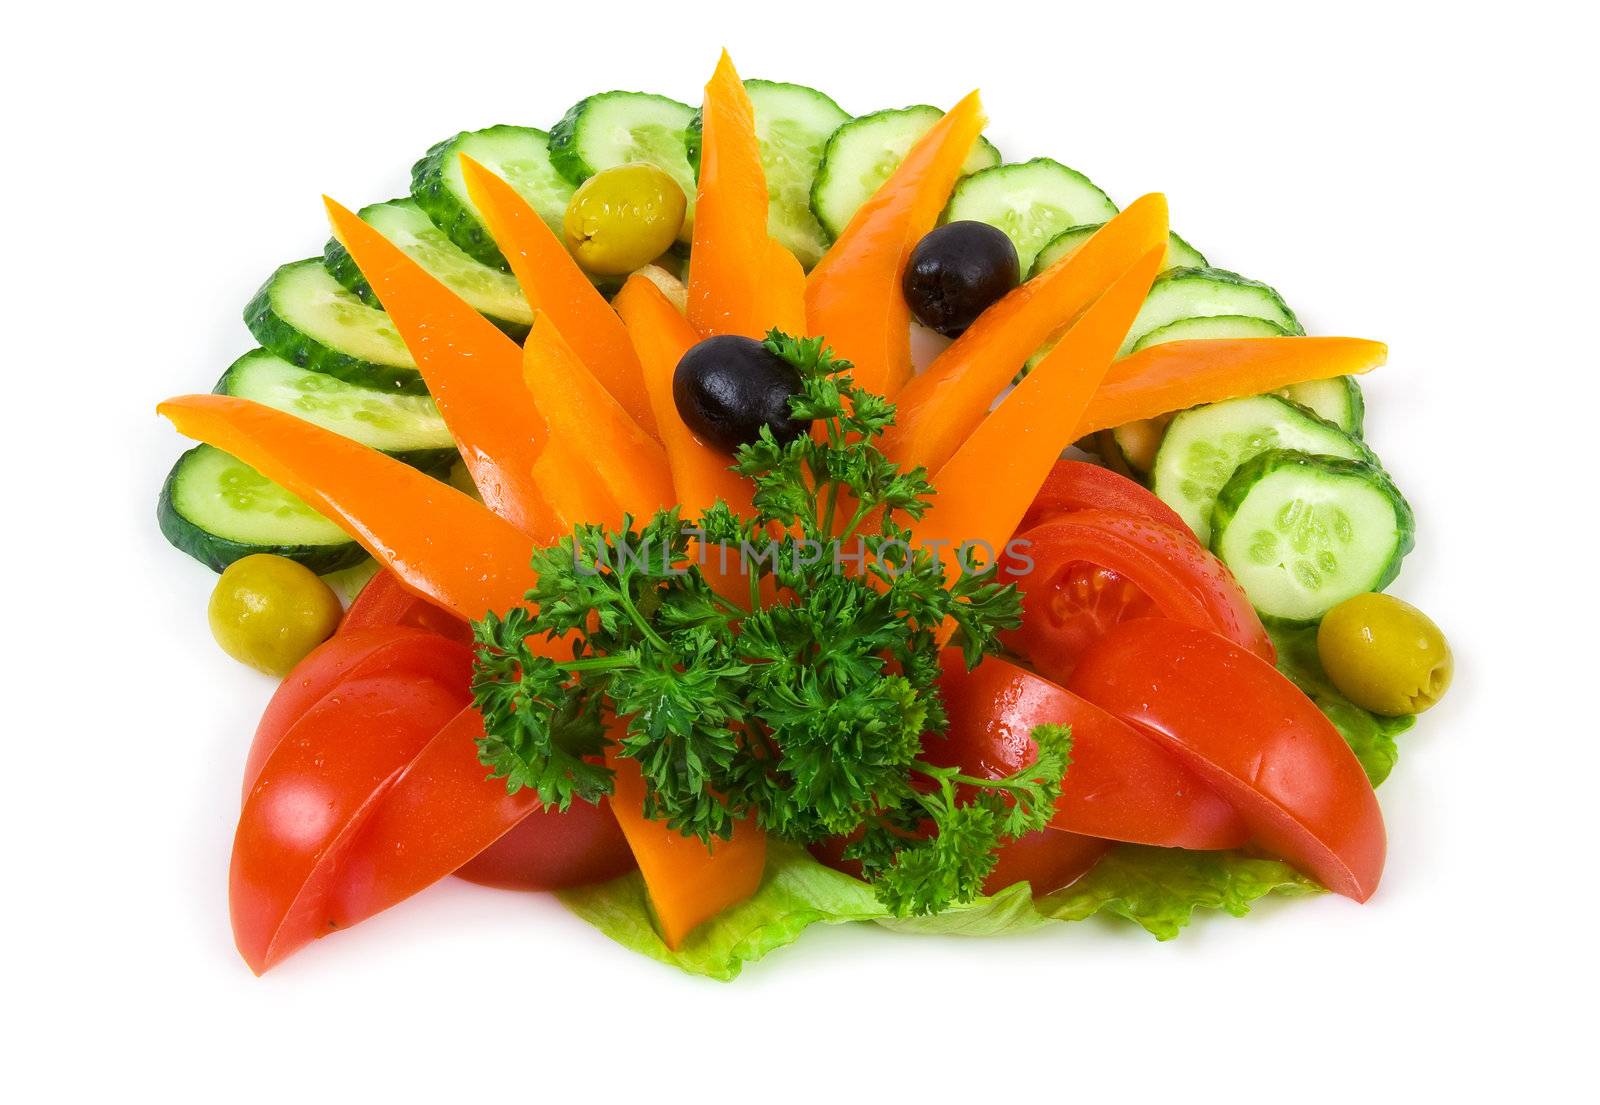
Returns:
point(519, 155)
point(616, 128)
point(862, 154)
point(1338, 400)
point(1211, 326)
point(1179, 252)
point(1203, 447)
point(308, 318)
point(493, 293)
point(1032, 202)
point(407, 427)
point(1202, 292)
point(1303, 533)
point(793, 125)
point(219, 509)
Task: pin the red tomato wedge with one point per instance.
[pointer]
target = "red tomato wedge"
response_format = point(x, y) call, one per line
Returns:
point(386, 650)
point(444, 811)
point(385, 601)
point(1047, 861)
point(552, 849)
point(1121, 785)
point(1253, 736)
point(1065, 606)
point(319, 784)
point(1074, 485)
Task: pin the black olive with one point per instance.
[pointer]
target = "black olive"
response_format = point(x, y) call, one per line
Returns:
point(727, 387)
point(956, 272)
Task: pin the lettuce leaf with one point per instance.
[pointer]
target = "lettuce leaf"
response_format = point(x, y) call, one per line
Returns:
point(1160, 888)
point(1371, 737)
point(1156, 888)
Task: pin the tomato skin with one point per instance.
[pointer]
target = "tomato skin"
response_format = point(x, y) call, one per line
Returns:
point(444, 811)
point(314, 792)
point(1121, 785)
point(1047, 860)
point(1181, 580)
point(387, 649)
point(385, 601)
point(1250, 733)
point(1075, 485)
point(552, 850)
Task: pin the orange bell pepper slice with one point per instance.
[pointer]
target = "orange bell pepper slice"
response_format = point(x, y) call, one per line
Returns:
point(1182, 374)
point(553, 283)
point(568, 480)
point(442, 544)
point(985, 489)
point(628, 463)
point(730, 253)
point(701, 473)
point(939, 409)
point(473, 371)
point(687, 882)
point(853, 296)
point(783, 291)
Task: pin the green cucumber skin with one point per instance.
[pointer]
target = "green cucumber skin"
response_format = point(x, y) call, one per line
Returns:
point(217, 553)
point(1221, 276)
point(304, 351)
point(819, 184)
point(343, 268)
point(1355, 403)
point(446, 210)
point(1235, 491)
point(809, 240)
point(564, 153)
point(435, 462)
point(1179, 251)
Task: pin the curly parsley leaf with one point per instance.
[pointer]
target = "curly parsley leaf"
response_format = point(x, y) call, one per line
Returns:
point(805, 710)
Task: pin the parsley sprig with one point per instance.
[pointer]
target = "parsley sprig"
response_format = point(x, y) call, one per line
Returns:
point(804, 705)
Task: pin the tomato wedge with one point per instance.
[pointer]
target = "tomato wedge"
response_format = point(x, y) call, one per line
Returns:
point(1253, 736)
point(316, 788)
point(552, 849)
point(1121, 785)
point(385, 649)
point(444, 811)
point(1075, 485)
point(385, 601)
point(1152, 569)
point(1046, 860)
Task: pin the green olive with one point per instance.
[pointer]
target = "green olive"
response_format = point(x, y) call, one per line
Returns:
point(269, 612)
point(621, 219)
point(1385, 655)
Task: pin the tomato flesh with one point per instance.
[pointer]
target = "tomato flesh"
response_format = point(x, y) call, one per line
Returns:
point(1144, 568)
point(1121, 785)
point(1253, 736)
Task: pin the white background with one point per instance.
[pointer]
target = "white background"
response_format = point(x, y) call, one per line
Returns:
point(1416, 175)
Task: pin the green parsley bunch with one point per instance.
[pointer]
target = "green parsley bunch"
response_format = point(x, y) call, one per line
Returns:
point(806, 712)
